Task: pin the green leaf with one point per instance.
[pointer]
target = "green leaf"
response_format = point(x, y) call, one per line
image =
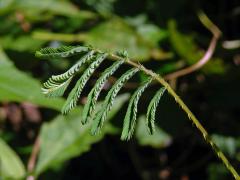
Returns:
point(34, 8)
point(159, 139)
point(21, 43)
point(102, 114)
point(75, 94)
point(60, 52)
point(64, 137)
point(11, 166)
point(129, 121)
point(115, 35)
point(58, 7)
point(55, 89)
point(152, 107)
point(104, 7)
point(93, 95)
point(5, 5)
point(183, 44)
point(18, 87)
point(57, 84)
point(150, 32)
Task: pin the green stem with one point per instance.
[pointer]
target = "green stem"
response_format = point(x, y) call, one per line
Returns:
point(184, 107)
point(49, 36)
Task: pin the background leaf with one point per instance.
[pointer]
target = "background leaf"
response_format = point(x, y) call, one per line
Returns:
point(18, 87)
point(65, 137)
point(159, 139)
point(11, 166)
point(34, 8)
point(116, 34)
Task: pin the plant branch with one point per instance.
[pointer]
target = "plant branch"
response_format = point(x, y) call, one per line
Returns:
point(184, 107)
point(196, 66)
point(33, 158)
point(208, 54)
point(49, 36)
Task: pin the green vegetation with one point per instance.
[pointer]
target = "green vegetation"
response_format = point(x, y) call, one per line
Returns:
point(120, 66)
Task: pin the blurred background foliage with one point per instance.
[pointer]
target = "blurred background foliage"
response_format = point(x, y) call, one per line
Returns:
point(163, 35)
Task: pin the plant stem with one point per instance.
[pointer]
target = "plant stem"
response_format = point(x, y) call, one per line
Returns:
point(49, 36)
point(33, 158)
point(184, 107)
point(198, 65)
point(207, 55)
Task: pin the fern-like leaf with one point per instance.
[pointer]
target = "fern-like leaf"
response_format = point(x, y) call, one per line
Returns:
point(55, 89)
point(61, 52)
point(74, 95)
point(108, 102)
point(131, 115)
point(75, 68)
point(93, 95)
point(151, 111)
point(56, 85)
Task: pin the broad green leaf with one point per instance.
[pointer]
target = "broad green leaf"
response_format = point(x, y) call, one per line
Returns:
point(116, 34)
point(22, 43)
point(183, 44)
point(187, 49)
point(104, 7)
point(59, 7)
point(159, 139)
point(11, 167)
point(150, 32)
point(39, 10)
point(65, 137)
point(18, 87)
point(66, 37)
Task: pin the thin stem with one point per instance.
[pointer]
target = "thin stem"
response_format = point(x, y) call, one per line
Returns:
point(33, 158)
point(184, 107)
point(208, 54)
point(49, 36)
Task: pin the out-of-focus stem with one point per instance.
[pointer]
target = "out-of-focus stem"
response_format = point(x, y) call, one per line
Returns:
point(33, 158)
point(59, 36)
point(208, 54)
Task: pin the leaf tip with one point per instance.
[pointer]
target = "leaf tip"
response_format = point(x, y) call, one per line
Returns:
point(38, 54)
